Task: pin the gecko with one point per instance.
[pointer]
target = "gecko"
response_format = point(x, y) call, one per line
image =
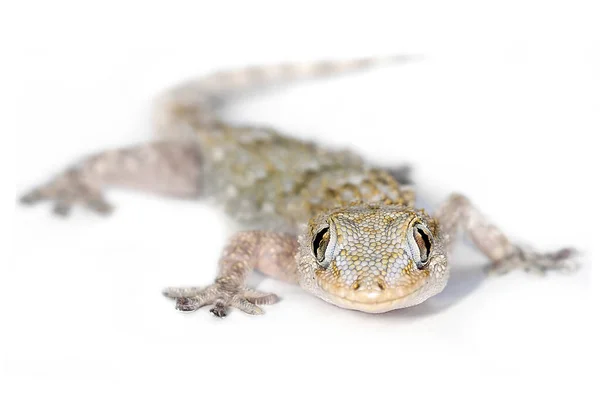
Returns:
point(344, 229)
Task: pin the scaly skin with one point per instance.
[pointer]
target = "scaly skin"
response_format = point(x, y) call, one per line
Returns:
point(345, 230)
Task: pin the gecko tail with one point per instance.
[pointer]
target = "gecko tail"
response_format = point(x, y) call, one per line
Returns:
point(223, 83)
point(194, 104)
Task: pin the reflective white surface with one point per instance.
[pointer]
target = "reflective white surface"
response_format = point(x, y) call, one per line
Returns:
point(502, 108)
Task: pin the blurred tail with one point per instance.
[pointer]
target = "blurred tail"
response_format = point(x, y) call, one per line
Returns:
point(194, 103)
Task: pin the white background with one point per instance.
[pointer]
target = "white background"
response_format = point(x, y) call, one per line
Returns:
point(503, 108)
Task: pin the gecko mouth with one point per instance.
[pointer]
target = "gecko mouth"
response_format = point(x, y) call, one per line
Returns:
point(372, 301)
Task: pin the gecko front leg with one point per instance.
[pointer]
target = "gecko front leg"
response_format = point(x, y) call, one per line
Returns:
point(273, 254)
point(457, 212)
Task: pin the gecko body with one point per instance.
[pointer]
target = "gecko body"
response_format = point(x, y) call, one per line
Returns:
point(344, 229)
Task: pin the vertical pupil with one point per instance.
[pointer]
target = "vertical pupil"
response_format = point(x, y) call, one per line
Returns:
point(424, 244)
point(320, 243)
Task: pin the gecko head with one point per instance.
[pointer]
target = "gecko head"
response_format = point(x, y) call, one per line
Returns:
point(373, 258)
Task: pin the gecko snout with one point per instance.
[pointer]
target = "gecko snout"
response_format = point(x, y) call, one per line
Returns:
point(360, 284)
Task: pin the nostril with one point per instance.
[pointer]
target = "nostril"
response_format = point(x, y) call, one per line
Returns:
point(356, 285)
point(381, 285)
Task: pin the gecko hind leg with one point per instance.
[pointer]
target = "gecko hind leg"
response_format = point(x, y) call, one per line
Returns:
point(171, 168)
point(67, 189)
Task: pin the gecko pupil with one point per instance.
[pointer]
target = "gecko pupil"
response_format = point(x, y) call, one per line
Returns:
point(424, 243)
point(320, 244)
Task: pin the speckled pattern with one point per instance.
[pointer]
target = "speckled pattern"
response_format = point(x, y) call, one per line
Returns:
point(267, 180)
point(373, 265)
point(346, 231)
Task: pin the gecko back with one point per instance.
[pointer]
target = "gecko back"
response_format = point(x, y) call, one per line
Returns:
point(267, 180)
point(263, 178)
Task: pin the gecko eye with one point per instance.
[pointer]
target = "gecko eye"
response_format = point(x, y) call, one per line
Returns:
point(323, 246)
point(420, 245)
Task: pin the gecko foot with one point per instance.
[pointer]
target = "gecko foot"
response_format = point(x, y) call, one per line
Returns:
point(189, 299)
point(65, 191)
point(564, 260)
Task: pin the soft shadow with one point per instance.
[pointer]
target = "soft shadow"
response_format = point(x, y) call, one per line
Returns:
point(463, 281)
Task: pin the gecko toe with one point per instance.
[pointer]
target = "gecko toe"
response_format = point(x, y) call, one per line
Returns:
point(219, 310)
point(189, 299)
point(62, 209)
point(100, 206)
point(31, 197)
point(187, 304)
point(565, 254)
